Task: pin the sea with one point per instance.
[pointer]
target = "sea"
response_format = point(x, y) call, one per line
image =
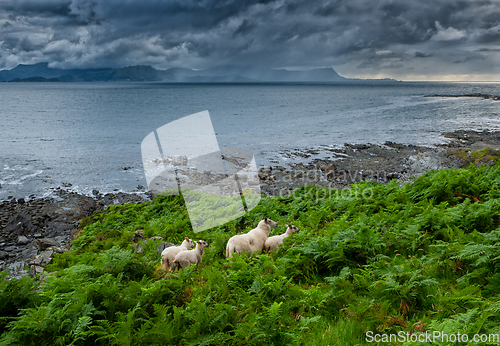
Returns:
point(87, 136)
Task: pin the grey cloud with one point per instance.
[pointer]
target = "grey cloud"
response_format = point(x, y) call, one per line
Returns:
point(422, 55)
point(198, 34)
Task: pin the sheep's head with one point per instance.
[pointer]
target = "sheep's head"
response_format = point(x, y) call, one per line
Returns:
point(292, 228)
point(202, 243)
point(270, 222)
point(188, 243)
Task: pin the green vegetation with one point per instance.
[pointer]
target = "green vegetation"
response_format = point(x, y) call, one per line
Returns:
point(424, 256)
point(478, 157)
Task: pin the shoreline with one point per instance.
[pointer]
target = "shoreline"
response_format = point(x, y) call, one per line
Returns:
point(32, 230)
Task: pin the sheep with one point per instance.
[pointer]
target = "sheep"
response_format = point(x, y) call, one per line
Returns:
point(252, 241)
point(186, 257)
point(168, 254)
point(273, 242)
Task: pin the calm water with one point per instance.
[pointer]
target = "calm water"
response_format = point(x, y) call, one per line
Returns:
point(89, 134)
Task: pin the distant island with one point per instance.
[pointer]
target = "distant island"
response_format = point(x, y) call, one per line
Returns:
point(37, 79)
point(41, 72)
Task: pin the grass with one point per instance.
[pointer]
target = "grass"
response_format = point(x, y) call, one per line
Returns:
point(416, 258)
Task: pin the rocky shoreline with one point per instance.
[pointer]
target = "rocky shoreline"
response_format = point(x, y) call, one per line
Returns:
point(31, 231)
point(482, 96)
point(380, 163)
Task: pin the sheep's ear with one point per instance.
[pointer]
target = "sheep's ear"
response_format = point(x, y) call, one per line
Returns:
point(265, 218)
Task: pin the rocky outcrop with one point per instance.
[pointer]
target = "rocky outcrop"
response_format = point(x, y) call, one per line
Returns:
point(32, 231)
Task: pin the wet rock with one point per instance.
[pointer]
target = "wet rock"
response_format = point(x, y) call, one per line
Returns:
point(3, 255)
point(55, 228)
point(121, 198)
point(21, 223)
point(328, 167)
point(393, 175)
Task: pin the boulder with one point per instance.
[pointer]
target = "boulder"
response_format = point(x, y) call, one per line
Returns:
point(44, 243)
point(164, 245)
point(22, 240)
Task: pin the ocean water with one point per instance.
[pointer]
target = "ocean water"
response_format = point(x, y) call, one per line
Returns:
point(86, 136)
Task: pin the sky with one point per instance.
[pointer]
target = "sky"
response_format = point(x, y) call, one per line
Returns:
point(450, 40)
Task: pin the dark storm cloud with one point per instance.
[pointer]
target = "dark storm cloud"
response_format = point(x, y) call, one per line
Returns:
point(422, 55)
point(353, 35)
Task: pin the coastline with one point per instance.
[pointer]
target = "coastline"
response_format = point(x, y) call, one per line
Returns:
point(32, 230)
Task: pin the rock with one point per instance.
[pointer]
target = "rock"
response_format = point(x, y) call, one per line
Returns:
point(16, 267)
point(138, 248)
point(20, 201)
point(138, 236)
point(34, 270)
point(330, 175)
point(19, 224)
point(328, 167)
point(44, 243)
point(393, 175)
point(37, 260)
point(56, 228)
point(163, 246)
point(29, 252)
point(10, 248)
point(140, 187)
point(22, 240)
point(58, 249)
point(3, 255)
point(156, 238)
point(95, 192)
point(43, 258)
point(47, 256)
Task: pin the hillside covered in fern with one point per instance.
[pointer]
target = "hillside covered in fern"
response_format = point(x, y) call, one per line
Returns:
point(384, 258)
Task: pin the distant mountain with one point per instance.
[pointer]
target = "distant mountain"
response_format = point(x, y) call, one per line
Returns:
point(35, 79)
point(275, 75)
point(142, 73)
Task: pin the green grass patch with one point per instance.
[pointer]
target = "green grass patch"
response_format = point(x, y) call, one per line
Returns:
point(421, 257)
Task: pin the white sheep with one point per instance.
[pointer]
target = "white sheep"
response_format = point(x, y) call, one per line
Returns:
point(252, 241)
point(273, 242)
point(168, 254)
point(186, 257)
